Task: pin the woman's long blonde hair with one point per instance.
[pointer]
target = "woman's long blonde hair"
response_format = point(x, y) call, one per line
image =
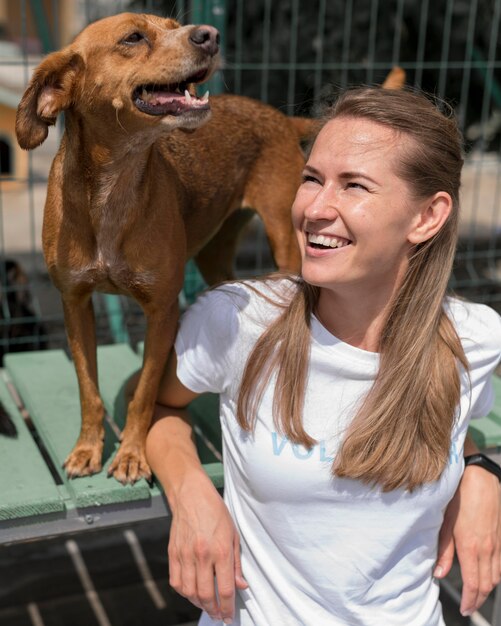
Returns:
point(400, 436)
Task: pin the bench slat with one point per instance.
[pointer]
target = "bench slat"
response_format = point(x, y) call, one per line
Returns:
point(26, 485)
point(116, 363)
point(496, 409)
point(486, 431)
point(46, 381)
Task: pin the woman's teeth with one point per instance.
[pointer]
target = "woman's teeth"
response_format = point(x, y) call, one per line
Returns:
point(328, 242)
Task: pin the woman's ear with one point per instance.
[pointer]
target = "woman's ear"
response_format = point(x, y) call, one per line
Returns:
point(431, 217)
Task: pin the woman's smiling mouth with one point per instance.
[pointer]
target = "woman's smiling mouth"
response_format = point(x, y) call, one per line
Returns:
point(322, 242)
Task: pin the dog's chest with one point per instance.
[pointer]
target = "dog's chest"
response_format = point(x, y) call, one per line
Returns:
point(109, 273)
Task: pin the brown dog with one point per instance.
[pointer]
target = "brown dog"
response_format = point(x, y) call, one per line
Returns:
point(131, 196)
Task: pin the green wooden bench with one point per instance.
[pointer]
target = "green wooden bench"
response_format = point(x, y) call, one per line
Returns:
point(487, 431)
point(36, 498)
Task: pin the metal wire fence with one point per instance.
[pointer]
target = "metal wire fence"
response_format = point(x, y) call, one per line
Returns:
point(293, 55)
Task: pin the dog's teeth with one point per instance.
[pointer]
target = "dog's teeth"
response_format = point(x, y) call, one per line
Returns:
point(187, 96)
point(205, 97)
point(144, 95)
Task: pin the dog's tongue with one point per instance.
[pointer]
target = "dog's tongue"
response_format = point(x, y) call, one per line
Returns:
point(170, 103)
point(165, 97)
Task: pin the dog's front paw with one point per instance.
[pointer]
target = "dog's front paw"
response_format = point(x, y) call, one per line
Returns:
point(83, 460)
point(129, 465)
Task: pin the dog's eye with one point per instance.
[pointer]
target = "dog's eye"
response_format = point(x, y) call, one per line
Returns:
point(133, 38)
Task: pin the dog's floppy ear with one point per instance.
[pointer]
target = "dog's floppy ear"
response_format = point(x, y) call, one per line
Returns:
point(50, 91)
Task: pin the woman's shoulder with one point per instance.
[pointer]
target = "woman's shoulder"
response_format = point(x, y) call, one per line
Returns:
point(475, 322)
point(257, 296)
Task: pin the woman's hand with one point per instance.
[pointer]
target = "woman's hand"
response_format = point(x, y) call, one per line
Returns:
point(472, 526)
point(204, 549)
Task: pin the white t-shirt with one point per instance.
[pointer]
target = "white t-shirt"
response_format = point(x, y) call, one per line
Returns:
point(316, 549)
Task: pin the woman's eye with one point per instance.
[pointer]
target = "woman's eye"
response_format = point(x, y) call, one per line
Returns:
point(354, 185)
point(132, 39)
point(309, 179)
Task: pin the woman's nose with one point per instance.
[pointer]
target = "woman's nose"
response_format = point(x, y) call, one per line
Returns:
point(321, 208)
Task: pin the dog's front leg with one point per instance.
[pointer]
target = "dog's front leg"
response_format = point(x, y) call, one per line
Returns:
point(129, 464)
point(85, 458)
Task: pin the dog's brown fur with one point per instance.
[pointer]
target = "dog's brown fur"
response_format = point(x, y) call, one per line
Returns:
point(131, 196)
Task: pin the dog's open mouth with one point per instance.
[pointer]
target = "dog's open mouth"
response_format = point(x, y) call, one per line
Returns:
point(171, 99)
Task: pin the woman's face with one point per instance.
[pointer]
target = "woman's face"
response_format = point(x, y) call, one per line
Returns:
point(352, 213)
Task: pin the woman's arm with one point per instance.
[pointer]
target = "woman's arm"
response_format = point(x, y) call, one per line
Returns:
point(203, 542)
point(472, 527)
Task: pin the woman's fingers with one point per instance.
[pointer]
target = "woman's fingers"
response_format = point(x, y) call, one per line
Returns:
point(225, 577)
point(206, 593)
point(204, 552)
point(204, 572)
point(206, 582)
point(445, 553)
point(470, 592)
point(189, 574)
point(240, 581)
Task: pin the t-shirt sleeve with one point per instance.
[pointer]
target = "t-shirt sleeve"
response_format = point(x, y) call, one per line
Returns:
point(205, 343)
point(480, 333)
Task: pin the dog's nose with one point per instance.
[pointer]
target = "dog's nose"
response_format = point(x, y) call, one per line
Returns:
point(205, 37)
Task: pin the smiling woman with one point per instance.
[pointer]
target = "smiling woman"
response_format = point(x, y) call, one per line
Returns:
point(342, 393)
point(351, 197)
point(382, 291)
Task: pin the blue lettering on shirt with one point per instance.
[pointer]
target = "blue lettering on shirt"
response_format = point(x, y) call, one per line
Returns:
point(279, 444)
point(319, 451)
point(453, 454)
point(300, 452)
point(323, 453)
point(278, 447)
